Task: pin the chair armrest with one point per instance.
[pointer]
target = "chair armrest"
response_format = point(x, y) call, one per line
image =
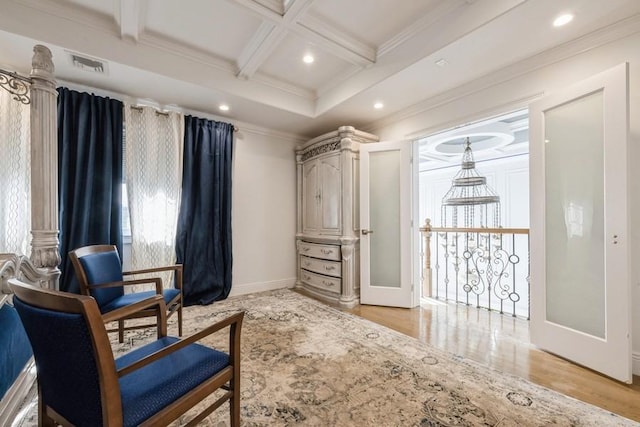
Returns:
point(156, 300)
point(175, 267)
point(156, 280)
point(234, 321)
point(154, 270)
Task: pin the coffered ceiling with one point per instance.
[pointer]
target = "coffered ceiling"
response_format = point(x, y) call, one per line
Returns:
point(247, 54)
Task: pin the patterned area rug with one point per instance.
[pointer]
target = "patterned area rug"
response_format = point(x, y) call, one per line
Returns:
point(304, 363)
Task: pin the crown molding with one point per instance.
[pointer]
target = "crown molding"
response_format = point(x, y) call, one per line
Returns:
point(593, 40)
point(259, 130)
point(72, 12)
point(422, 24)
point(157, 41)
point(337, 80)
point(275, 83)
point(130, 100)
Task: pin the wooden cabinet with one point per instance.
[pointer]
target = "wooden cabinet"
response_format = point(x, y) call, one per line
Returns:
point(327, 235)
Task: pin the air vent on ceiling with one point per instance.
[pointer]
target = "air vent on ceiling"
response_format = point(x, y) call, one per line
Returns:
point(88, 63)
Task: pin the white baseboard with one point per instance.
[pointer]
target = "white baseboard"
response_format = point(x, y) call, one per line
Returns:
point(249, 288)
point(15, 396)
point(635, 361)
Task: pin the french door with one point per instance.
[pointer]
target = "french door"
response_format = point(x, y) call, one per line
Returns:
point(580, 280)
point(385, 220)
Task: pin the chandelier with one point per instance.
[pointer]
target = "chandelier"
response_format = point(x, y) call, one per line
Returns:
point(470, 202)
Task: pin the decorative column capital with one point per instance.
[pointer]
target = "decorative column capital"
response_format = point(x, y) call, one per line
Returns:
point(42, 62)
point(44, 253)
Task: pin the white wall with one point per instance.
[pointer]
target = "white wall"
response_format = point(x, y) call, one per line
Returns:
point(264, 211)
point(519, 86)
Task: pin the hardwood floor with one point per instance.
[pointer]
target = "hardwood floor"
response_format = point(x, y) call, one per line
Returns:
point(502, 342)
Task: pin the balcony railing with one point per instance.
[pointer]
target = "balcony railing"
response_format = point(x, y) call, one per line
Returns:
point(484, 267)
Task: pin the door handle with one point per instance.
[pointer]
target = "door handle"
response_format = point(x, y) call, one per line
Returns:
point(365, 232)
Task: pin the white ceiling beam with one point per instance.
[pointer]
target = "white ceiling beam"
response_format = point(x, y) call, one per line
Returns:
point(335, 41)
point(261, 45)
point(275, 5)
point(295, 9)
point(128, 14)
point(268, 36)
point(260, 10)
point(330, 39)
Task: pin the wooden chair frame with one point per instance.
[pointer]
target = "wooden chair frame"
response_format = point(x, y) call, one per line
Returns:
point(120, 315)
point(227, 379)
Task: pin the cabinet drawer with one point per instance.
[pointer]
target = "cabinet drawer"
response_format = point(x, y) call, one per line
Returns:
point(331, 284)
point(330, 268)
point(316, 250)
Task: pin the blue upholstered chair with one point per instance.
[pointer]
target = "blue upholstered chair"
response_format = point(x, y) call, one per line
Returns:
point(99, 272)
point(81, 384)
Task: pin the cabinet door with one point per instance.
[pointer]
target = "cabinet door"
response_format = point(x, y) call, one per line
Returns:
point(330, 194)
point(310, 197)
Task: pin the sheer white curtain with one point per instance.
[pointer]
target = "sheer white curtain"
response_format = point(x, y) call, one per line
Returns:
point(153, 174)
point(15, 175)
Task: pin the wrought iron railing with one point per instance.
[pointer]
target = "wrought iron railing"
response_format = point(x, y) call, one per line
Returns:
point(484, 267)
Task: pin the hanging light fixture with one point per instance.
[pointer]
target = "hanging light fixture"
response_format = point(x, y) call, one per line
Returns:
point(470, 194)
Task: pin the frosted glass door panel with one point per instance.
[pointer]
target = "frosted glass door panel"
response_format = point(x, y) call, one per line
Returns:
point(574, 215)
point(580, 224)
point(384, 205)
point(386, 174)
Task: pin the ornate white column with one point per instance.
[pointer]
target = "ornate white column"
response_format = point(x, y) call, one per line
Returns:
point(350, 217)
point(298, 215)
point(44, 165)
point(350, 272)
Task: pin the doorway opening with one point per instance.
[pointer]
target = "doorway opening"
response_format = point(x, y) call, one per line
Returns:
point(474, 214)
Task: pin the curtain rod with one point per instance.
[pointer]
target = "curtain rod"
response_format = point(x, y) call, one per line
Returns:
point(162, 113)
point(16, 85)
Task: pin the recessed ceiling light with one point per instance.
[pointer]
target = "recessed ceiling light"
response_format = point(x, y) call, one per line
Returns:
point(563, 19)
point(224, 107)
point(308, 59)
point(378, 105)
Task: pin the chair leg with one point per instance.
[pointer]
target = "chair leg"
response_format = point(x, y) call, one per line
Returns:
point(234, 401)
point(121, 331)
point(43, 419)
point(234, 409)
point(161, 321)
point(180, 320)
